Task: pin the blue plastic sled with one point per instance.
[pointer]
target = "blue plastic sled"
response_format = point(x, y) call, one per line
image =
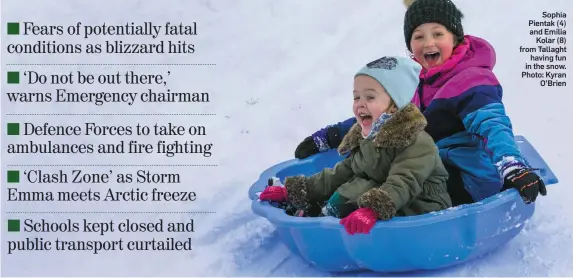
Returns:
point(431, 241)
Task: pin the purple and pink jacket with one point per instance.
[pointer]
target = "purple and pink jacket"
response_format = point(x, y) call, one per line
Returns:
point(462, 102)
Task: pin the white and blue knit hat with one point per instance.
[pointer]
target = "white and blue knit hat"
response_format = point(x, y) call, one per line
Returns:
point(398, 75)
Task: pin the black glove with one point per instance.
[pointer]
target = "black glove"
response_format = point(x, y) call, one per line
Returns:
point(527, 183)
point(306, 148)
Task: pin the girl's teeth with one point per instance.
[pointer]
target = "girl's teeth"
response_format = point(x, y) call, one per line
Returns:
point(432, 55)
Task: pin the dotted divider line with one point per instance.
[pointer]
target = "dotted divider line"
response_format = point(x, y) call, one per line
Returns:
point(112, 64)
point(107, 114)
point(110, 212)
point(111, 165)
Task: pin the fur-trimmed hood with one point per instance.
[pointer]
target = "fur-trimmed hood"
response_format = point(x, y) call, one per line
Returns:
point(399, 131)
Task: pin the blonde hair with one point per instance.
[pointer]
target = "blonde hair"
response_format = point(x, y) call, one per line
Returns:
point(392, 108)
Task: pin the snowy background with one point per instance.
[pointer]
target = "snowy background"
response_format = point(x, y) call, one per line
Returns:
point(284, 69)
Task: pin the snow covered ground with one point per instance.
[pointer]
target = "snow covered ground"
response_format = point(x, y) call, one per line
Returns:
point(284, 69)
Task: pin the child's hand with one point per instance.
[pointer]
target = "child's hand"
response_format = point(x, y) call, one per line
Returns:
point(360, 221)
point(329, 138)
point(274, 194)
point(306, 148)
point(527, 183)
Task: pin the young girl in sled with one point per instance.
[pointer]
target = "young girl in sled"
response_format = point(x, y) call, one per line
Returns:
point(461, 99)
point(393, 167)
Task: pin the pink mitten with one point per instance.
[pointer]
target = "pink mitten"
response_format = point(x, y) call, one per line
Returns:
point(274, 194)
point(360, 221)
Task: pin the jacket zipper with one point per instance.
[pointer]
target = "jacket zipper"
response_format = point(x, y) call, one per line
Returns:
point(420, 94)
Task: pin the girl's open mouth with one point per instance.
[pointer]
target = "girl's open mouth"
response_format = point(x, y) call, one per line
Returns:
point(432, 57)
point(365, 119)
